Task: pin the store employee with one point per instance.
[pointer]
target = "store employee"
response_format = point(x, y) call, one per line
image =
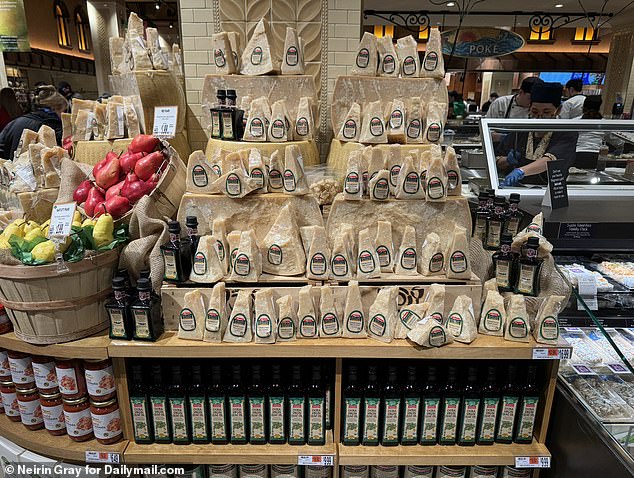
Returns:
point(525, 154)
point(514, 106)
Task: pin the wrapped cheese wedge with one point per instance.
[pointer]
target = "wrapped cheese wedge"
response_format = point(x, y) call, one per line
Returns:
point(101, 118)
point(435, 122)
point(35, 155)
point(436, 177)
point(368, 265)
point(407, 52)
point(258, 57)
point(340, 264)
point(385, 246)
point(379, 186)
point(304, 123)
point(347, 232)
point(46, 136)
point(373, 129)
point(394, 163)
point(219, 233)
point(239, 324)
point(407, 258)
point(131, 117)
point(536, 225)
point(82, 130)
point(236, 48)
point(546, 326)
point(157, 56)
point(233, 240)
point(257, 171)
point(408, 317)
point(375, 158)
point(67, 124)
point(491, 284)
point(116, 120)
point(396, 122)
point(206, 266)
point(408, 182)
point(265, 324)
point(383, 315)
point(276, 168)
point(365, 177)
point(351, 126)
point(318, 260)
point(425, 161)
point(216, 316)
point(329, 322)
point(282, 250)
point(293, 59)
point(353, 182)
point(116, 55)
point(200, 174)
point(51, 165)
point(224, 58)
point(177, 60)
point(307, 316)
point(459, 262)
point(388, 61)
point(461, 321)
point(247, 266)
point(138, 47)
point(287, 319)
point(366, 60)
point(354, 318)
point(191, 324)
point(454, 178)
point(435, 297)
point(433, 65)
point(256, 127)
point(493, 316)
point(429, 333)
point(518, 328)
point(234, 184)
point(279, 127)
point(236, 160)
point(414, 121)
point(295, 182)
point(432, 256)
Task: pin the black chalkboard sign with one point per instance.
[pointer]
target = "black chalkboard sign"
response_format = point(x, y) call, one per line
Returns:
point(556, 195)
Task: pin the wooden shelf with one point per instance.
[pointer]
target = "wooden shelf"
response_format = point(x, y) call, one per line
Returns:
point(220, 454)
point(170, 346)
point(492, 455)
point(57, 447)
point(418, 279)
point(94, 347)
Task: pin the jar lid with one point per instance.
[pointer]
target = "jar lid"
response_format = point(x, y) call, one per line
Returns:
point(103, 404)
point(75, 401)
point(8, 383)
point(49, 396)
point(96, 360)
point(27, 391)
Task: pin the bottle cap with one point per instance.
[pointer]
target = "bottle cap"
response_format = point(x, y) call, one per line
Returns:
point(144, 284)
point(533, 242)
point(174, 226)
point(499, 201)
point(191, 221)
point(144, 274)
point(118, 283)
point(231, 94)
point(515, 197)
point(506, 238)
point(221, 94)
point(123, 273)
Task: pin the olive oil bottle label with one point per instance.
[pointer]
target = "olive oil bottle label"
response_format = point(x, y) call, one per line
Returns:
point(351, 420)
point(256, 417)
point(218, 415)
point(411, 413)
point(526, 420)
point(237, 418)
point(178, 413)
point(429, 425)
point(276, 418)
point(316, 419)
point(391, 418)
point(488, 420)
point(507, 418)
point(140, 418)
point(371, 420)
point(199, 418)
point(296, 424)
point(448, 428)
point(158, 404)
point(469, 422)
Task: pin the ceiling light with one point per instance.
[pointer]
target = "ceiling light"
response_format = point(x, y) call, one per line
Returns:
point(157, 6)
point(171, 25)
point(559, 5)
point(451, 4)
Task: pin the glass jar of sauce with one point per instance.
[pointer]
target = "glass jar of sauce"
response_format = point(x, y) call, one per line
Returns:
point(21, 370)
point(70, 378)
point(30, 409)
point(106, 421)
point(44, 373)
point(53, 413)
point(5, 368)
point(5, 323)
point(78, 419)
point(10, 401)
point(100, 380)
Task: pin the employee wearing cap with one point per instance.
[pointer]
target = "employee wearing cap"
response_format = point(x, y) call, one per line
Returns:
point(514, 106)
point(528, 152)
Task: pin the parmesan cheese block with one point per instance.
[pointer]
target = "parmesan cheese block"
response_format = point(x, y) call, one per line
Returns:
point(353, 182)
point(366, 60)
point(318, 259)
point(235, 160)
point(278, 131)
point(408, 182)
point(351, 126)
point(83, 126)
point(265, 321)
point(329, 322)
point(407, 259)
point(239, 325)
point(379, 186)
point(116, 55)
point(51, 165)
point(436, 177)
point(140, 53)
point(435, 122)
point(432, 256)
point(26, 138)
point(461, 321)
point(247, 266)
point(101, 117)
point(158, 56)
point(375, 157)
point(491, 284)
point(293, 60)
point(116, 120)
point(493, 316)
point(67, 125)
point(385, 245)
point(257, 124)
point(408, 317)
point(428, 333)
point(233, 240)
point(219, 232)
point(459, 262)
point(425, 160)
point(349, 236)
point(307, 317)
point(88, 105)
point(295, 182)
point(396, 122)
point(340, 264)
point(200, 174)
point(388, 61)
point(236, 48)
point(233, 184)
point(191, 324)
point(373, 124)
point(206, 266)
point(276, 168)
point(304, 123)
point(258, 57)
point(546, 326)
point(46, 136)
point(282, 250)
point(536, 225)
point(407, 52)
point(257, 171)
point(131, 117)
point(394, 164)
point(368, 265)
point(354, 322)
point(177, 62)
point(363, 161)
point(414, 121)
point(35, 155)
point(224, 58)
point(518, 328)
point(433, 65)
point(383, 315)
point(454, 178)
point(287, 323)
point(216, 316)
point(435, 297)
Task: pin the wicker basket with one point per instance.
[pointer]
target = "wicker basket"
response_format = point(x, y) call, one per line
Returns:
point(48, 308)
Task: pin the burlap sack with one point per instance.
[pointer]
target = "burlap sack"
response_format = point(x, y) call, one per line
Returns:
point(72, 175)
point(7, 258)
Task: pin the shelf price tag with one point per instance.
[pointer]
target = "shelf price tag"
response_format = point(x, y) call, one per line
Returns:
point(62, 219)
point(549, 353)
point(316, 460)
point(102, 457)
point(532, 462)
point(618, 368)
point(165, 121)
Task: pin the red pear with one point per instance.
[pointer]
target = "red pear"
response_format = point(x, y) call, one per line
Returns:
point(135, 190)
point(143, 143)
point(81, 193)
point(109, 173)
point(148, 165)
point(100, 209)
point(128, 160)
point(94, 198)
point(114, 190)
point(99, 166)
point(118, 206)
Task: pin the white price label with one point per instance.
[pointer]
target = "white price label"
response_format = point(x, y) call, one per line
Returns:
point(165, 121)
point(618, 368)
point(102, 457)
point(549, 353)
point(62, 219)
point(574, 329)
point(316, 460)
point(532, 462)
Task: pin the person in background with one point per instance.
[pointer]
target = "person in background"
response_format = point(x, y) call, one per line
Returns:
point(514, 106)
point(589, 142)
point(48, 108)
point(573, 106)
point(459, 106)
point(528, 152)
point(9, 107)
point(492, 97)
point(64, 89)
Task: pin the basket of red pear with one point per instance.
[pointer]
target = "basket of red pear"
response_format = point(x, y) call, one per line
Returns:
point(149, 167)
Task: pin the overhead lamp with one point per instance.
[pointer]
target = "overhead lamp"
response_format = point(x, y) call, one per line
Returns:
point(451, 4)
point(171, 25)
point(157, 5)
point(559, 5)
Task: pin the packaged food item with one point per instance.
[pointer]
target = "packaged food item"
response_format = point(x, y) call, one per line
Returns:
point(409, 316)
point(265, 324)
point(276, 168)
point(293, 59)
point(354, 317)
point(237, 160)
point(287, 319)
point(206, 266)
point(433, 65)
point(373, 125)
point(407, 258)
point(396, 122)
point(307, 315)
point(257, 171)
point(116, 119)
point(366, 61)
point(234, 184)
point(341, 262)
point(46, 136)
point(53, 413)
point(394, 163)
point(385, 246)
point(239, 325)
point(21, 370)
point(383, 315)
point(236, 48)
point(435, 297)
point(368, 265)
point(493, 316)
point(353, 182)
point(247, 266)
point(258, 57)
point(10, 401)
point(546, 326)
point(408, 183)
point(454, 178)
point(429, 333)
point(388, 62)
point(491, 284)
point(432, 256)
point(224, 58)
point(140, 53)
point(191, 324)
point(459, 263)
point(407, 52)
point(219, 233)
point(30, 409)
point(351, 126)
point(304, 123)
point(158, 56)
point(78, 419)
point(282, 250)
point(100, 381)
point(116, 56)
point(318, 260)
point(295, 182)
point(518, 327)
point(414, 121)
point(278, 131)
point(216, 316)
point(256, 127)
point(461, 321)
point(106, 421)
point(379, 186)
point(44, 374)
point(347, 232)
point(435, 123)
point(329, 323)
point(375, 159)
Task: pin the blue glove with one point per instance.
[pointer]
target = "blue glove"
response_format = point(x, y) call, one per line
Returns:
point(513, 158)
point(513, 178)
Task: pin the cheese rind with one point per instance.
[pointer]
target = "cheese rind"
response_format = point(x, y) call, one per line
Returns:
point(216, 314)
point(258, 57)
point(354, 318)
point(407, 52)
point(304, 123)
point(329, 320)
point(287, 319)
point(206, 265)
point(239, 325)
point(493, 316)
point(200, 174)
point(436, 177)
point(388, 60)
point(414, 121)
point(394, 162)
point(432, 257)
point(435, 297)
point(159, 59)
point(408, 183)
point(223, 57)
point(375, 158)
point(282, 250)
point(341, 262)
point(407, 258)
point(435, 122)
point(307, 316)
point(433, 65)
point(458, 257)
point(318, 259)
point(116, 55)
point(265, 319)
point(368, 265)
point(383, 315)
point(396, 122)
point(257, 171)
point(276, 172)
point(351, 127)
point(293, 58)
point(191, 324)
point(278, 131)
point(294, 178)
point(518, 328)
point(461, 321)
point(379, 186)
point(454, 177)
point(353, 182)
point(366, 59)
point(384, 242)
point(247, 265)
point(408, 317)
point(259, 117)
point(373, 129)
point(46, 136)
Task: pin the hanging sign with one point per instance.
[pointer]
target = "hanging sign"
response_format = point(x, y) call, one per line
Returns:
point(13, 30)
point(481, 42)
